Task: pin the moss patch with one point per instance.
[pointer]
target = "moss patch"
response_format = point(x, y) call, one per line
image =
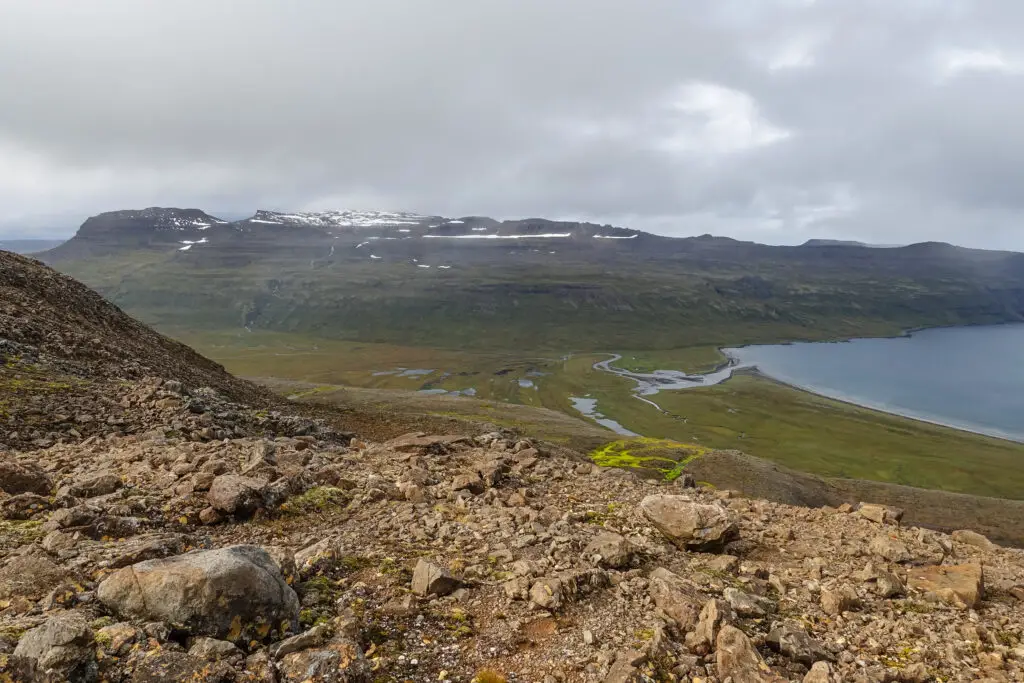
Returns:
point(664, 456)
point(316, 499)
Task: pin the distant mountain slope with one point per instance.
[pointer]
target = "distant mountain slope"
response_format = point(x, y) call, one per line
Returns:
point(475, 282)
point(28, 246)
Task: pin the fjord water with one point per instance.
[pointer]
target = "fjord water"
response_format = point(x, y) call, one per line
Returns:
point(966, 377)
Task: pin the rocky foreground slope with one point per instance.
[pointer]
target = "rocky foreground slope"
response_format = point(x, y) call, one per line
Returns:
point(190, 536)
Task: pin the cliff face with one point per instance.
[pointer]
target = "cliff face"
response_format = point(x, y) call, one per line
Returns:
point(156, 525)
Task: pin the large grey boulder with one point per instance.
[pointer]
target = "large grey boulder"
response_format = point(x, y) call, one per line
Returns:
point(688, 524)
point(61, 649)
point(235, 593)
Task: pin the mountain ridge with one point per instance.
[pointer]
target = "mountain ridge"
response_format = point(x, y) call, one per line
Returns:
point(161, 219)
point(476, 282)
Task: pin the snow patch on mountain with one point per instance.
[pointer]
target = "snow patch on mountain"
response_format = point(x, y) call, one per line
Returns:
point(344, 219)
point(190, 243)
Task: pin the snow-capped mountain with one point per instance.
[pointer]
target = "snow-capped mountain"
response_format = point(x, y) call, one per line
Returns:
point(416, 239)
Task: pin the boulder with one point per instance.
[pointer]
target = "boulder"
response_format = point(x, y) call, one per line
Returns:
point(713, 616)
point(821, 672)
point(117, 639)
point(610, 549)
point(29, 576)
point(321, 555)
point(97, 485)
point(738, 659)
point(24, 506)
point(835, 601)
point(418, 442)
point(678, 599)
point(16, 477)
point(746, 605)
point(168, 666)
point(213, 650)
point(546, 593)
point(235, 593)
point(880, 514)
point(340, 661)
point(973, 538)
point(889, 585)
point(311, 638)
point(690, 525)
point(61, 649)
point(626, 668)
point(959, 585)
point(468, 481)
point(429, 579)
point(551, 592)
point(889, 548)
point(236, 495)
point(794, 642)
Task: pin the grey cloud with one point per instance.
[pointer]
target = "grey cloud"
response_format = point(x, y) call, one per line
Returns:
point(776, 121)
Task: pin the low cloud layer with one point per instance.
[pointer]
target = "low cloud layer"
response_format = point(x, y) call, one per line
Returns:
point(775, 121)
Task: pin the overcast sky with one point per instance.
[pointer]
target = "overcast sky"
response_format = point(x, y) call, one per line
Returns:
point(888, 121)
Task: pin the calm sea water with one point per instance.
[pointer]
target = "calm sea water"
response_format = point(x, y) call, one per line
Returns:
point(967, 377)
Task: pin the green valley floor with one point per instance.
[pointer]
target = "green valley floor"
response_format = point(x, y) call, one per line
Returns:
point(750, 413)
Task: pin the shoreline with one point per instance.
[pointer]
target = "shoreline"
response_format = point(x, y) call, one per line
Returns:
point(732, 361)
point(864, 406)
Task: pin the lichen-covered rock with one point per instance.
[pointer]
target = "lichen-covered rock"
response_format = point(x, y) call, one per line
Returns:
point(546, 593)
point(235, 593)
point(213, 650)
point(168, 666)
point(688, 524)
point(61, 649)
point(339, 661)
point(23, 506)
